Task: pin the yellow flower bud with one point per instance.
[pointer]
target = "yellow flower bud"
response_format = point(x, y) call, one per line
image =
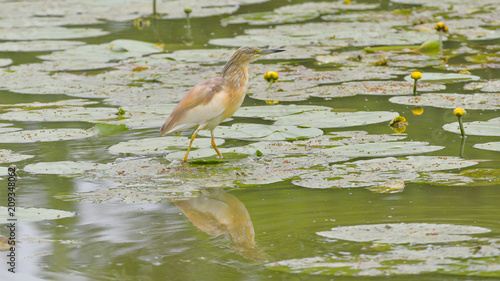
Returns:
point(440, 26)
point(271, 76)
point(416, 75)
point(398, 119)
point(418, 110)
point(398, 124)
point(459, 112)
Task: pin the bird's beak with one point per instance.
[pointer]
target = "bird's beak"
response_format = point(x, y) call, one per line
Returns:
point(269, 51)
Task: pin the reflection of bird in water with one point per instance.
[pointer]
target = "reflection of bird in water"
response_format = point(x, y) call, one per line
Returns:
point(216, 212)
point(216, 99)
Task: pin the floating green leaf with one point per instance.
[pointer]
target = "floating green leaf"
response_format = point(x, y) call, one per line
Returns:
point(470, 177)
point(264, 132)
point(377, 171)
point(65, 114)
point(262, 18)
point(486, 86)
point(468, 101)
point(33, 214)
point(38, 45)
point(392, 88)
point(109, 129)
point(64, 167)
point(161, 145)
point(49, 32)
point(8, 156)
point(493, 146)
point(33, 105)
point(429, 45)
point(402, 233)
point(5, 62)
point(3, 128)
point(115, 50)
point(45, 135)
point(478, 128)
point(270, 112)
point(381, 149)
point(436, 77)
point(330, 119)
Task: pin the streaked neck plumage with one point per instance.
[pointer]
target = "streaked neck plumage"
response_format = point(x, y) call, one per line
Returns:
point(235, 72)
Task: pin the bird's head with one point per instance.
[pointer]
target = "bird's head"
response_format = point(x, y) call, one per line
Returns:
point(248, 53)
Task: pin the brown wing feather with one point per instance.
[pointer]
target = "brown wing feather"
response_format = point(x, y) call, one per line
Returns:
point(198, 95)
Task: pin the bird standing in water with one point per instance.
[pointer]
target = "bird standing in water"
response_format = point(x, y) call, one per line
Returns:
point(212, 101)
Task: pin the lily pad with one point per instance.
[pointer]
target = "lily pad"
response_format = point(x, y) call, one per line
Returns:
point(66, 114)
point(45, 135)
point(327, 33)
point(129, 195)
point(116, 50)
point(49, 32)
point(330, 119)
point(437, 77)
point(201, 55)
point(473, 257)
point(486, 86)
point(402, 233)
point(375, 88)
point(109, 129)
point(347, 138)
point(32, 105)
point(381, 149)
point(5, 128)
point(477, 128)
point(161, 145)
point(468, 101)
point(33, 214)
point(5, 62)
point(270, 112)
point(264, 132)
point(38, 45)
point(377, 171)
point(8, 156)
point(276, 17)
point(417, 163)
point(471, 177)
point(64, 167)
point(493, 146)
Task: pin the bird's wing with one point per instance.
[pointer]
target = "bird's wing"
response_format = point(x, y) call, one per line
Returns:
point(203, 102)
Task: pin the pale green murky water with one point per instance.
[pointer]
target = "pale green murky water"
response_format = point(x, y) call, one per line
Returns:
point(265, 212)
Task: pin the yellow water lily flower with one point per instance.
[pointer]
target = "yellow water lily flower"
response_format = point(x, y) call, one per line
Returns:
point(459, 112)
point(270, 102)
point(418, 110)
point(140, 23)
point(271, 77)
point(440, 26)
point(398, 124)
point(416, 75)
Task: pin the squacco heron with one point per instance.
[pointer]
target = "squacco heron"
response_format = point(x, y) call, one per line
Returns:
point(212, 101)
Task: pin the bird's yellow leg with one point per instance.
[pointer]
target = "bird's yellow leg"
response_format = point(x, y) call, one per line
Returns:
point(185, 159)
point(215, 146)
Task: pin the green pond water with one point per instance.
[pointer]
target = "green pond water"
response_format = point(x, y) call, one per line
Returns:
point(314, 183)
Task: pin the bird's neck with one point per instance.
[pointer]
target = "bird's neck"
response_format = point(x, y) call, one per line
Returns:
point(236, 75)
